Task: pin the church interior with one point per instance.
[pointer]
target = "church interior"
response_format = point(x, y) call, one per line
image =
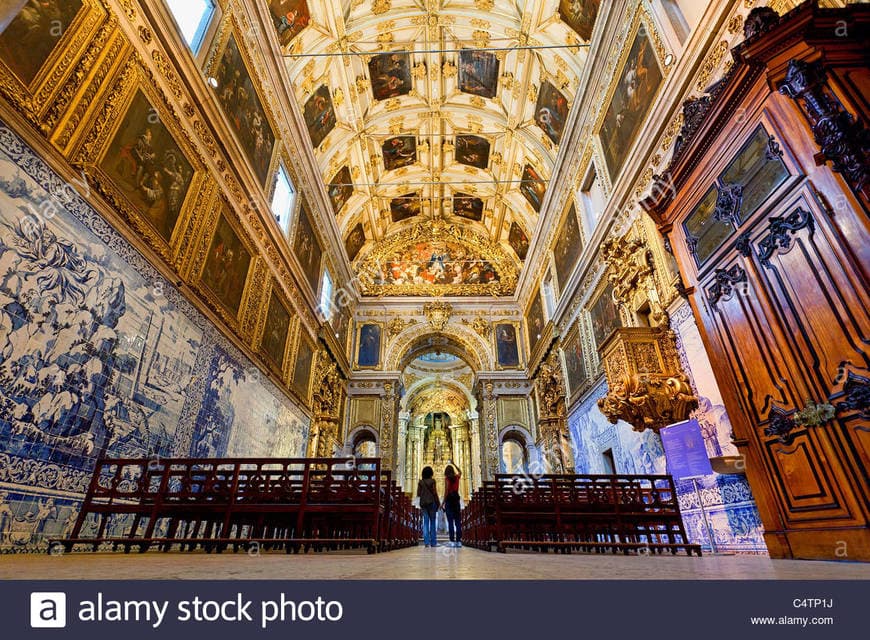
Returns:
point(609, 259)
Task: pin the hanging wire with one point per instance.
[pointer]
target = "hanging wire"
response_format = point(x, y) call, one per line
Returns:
point(451, 50)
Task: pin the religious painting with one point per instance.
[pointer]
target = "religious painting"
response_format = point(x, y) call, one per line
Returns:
point(518, 240)
point(340, 189)
point(473, 151)
point(226, 266)
point(535, 321)
point(507, 345)
point(406, 206)
point(341, 325)
point(355, 241)
point(31, 36)
point(146, 164)
point(241, 104)
point(533, 187)
point(399, 152)
point(390, 74)
point(369, 345)
point(304, 366)
point(636, 88)
point(307, 248)
point(276, 331)
point(290, 17)
point(319, 115)
point(575, 365)
point(478, 73)
point(551, 111)
point(605, 316)
point(566, 251)
point(431, 263)
point(580, 15)
point(466, 206)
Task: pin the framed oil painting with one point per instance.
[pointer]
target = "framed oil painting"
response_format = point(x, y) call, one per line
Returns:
point(33, 34)
point(478, 73)
point(551, 112)
point(390, 75)
point(436, 263)
point(240, 101)
point(226, 266)
point(507, 345)
point(276, 331)
point(368, 353)
point(406, 206)
point(355, 241)
point(472, 151)
point(147, 166)
point(399, 152)
point(569, 244)
point(341, 327)
point(468, 207)
point(575, 364)
point(303, 366)
point(307, 248)
point(319, 115)
point(290, 17)
point(580, 16)
point(535, 320)
point(533, 187)
point(518, 240)
point(636, 87)
point(604, 315)
point(340, 189)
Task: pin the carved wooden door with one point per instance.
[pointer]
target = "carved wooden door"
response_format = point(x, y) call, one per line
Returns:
point(784, 307)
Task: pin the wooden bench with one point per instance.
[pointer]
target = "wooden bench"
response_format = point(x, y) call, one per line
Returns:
point(598, 513)
point(249, 503)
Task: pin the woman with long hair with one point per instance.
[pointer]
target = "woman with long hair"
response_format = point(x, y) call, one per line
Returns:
point(427, 492)
point(452, 505)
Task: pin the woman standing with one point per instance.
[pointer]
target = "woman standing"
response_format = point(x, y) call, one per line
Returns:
point(452, 506)
point(428, 494)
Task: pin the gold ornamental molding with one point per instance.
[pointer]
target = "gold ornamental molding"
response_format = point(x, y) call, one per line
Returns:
point(647, 386)
point(438, 314)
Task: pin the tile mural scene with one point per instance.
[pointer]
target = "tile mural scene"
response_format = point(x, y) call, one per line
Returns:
point(99, 356)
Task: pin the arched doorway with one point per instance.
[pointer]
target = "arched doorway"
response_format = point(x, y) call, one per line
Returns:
point(438, 418)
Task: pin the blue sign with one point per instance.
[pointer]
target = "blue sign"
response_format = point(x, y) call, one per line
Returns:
point(685, 450)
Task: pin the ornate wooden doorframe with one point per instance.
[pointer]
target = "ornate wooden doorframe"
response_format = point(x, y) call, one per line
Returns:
point(768, 222)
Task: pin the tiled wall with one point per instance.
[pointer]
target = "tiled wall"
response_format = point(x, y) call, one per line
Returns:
point(100, 355)
point(727, 499)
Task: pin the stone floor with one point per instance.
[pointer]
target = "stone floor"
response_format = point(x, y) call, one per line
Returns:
point(419, 563)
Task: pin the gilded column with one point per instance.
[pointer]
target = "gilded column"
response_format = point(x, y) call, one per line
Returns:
point(552, 422)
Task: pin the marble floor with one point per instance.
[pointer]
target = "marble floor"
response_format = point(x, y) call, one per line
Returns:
point(442, 563)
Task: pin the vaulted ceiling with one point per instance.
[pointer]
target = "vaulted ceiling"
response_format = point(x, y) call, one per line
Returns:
point(436, 125)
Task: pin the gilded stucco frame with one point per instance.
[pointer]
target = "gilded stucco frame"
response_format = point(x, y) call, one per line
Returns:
point(230, 27)
point(518, 329)
point(93, 148)
point(357, 330)
point(283, 372)
point(301, 334)
point(642, 17)
point(86, 37)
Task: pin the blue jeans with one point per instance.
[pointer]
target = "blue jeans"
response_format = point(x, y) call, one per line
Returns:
point(454, 521)
point(430, 511)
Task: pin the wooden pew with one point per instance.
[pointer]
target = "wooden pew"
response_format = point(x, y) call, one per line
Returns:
point(637, 513)
point(251, 503)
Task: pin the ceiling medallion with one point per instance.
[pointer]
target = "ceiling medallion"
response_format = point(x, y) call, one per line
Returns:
point(438, 314)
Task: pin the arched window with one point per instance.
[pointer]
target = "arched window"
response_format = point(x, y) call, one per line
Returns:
point(514, 455)
point(365, 446)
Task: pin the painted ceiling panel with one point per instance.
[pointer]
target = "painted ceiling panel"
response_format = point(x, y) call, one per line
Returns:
point(436, 114)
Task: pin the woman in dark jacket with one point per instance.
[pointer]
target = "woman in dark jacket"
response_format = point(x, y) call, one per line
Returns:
point(428, 494)
point(452, 505)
